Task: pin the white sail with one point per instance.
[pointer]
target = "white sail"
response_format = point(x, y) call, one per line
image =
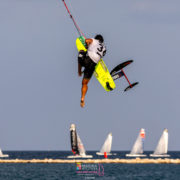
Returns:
point(106, 146)
point(81, 148)
point(3, 155)
point(162, 146)
point(137, 149)
point(77, 145)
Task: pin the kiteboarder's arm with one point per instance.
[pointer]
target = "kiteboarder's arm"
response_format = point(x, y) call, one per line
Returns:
point(88, 41)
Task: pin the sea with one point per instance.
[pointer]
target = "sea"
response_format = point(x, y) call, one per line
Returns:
point(78, 171)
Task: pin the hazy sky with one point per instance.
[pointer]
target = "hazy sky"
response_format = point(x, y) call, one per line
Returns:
point(40, 87)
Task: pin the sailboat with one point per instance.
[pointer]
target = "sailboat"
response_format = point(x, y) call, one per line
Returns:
point(137, 150)
point(3, 155)
point(162, 146)
point(106, 148)
point(77, 146)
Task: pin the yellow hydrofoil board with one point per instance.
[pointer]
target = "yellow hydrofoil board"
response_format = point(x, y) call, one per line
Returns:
point(101, 71)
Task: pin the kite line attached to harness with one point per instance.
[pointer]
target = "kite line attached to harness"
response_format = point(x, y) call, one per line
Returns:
point(75, 24)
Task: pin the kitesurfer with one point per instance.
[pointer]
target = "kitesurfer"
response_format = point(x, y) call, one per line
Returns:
point(95, 51)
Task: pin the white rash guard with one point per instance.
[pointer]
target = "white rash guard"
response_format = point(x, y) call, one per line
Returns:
point(96, 50)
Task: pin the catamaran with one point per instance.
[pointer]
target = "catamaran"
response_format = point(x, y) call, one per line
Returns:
point(77, 146)
point(162, 146)
point(137, 150)
point(3, 155)
point(106, 148)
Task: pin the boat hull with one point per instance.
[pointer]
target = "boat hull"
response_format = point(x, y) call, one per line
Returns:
point(4, 155)
point(102, 154)
point(136, 155)
point(79, 156)
point(159, 155)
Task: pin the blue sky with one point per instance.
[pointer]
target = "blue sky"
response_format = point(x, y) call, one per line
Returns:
point(40, 87)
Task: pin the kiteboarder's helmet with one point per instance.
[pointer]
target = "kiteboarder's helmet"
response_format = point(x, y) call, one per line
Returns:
point(99, 37)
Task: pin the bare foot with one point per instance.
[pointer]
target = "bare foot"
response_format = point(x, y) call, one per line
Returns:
point(82, 103)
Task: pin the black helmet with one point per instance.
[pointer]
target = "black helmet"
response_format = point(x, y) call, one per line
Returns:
point(99, 37)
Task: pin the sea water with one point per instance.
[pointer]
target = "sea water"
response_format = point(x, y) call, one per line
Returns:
point(80, 171)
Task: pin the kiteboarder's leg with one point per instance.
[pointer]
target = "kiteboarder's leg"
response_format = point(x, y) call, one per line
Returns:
point(88, 72)
point(81, 57)
point(84, 91)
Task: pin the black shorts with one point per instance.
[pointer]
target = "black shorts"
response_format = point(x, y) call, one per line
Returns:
point(88, 64)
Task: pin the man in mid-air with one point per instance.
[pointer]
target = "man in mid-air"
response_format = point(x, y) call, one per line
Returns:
point(95, 51)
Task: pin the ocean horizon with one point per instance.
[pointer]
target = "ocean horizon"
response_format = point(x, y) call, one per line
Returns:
point(61, 154)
